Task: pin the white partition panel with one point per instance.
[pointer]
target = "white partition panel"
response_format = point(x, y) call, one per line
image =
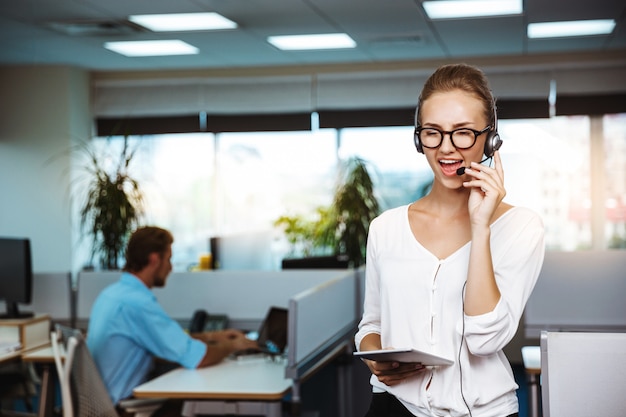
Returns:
point(239, 294)
point(578, 291)
point(319, 314)
point(89, 286)
point(51, 295)
point(583, 374)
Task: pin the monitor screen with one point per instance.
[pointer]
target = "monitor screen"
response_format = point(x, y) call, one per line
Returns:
point(16, 276)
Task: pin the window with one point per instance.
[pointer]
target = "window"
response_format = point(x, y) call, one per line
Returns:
point(614, 127)
point(399, 173)
point(204, 185)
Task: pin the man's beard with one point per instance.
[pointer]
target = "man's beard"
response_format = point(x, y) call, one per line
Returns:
point(159, 282)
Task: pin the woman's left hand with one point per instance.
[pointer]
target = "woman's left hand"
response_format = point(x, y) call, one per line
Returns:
point(486, 190)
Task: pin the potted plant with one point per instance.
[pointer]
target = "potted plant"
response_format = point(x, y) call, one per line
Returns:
point(113, 204)
point(341, 228)
point(354, 207)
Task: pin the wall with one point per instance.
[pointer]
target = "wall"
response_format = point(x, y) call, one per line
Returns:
point(42, 110)
point(122, 94)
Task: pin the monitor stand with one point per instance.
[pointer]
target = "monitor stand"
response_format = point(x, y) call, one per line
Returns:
point(13, 312)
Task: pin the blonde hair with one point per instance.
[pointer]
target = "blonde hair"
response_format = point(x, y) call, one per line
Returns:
point(462, 77)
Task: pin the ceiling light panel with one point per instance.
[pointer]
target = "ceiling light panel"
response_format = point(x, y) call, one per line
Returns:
point(152, 48)
point(310, 42)
point(458, 9)
point(181, 22)
point(570, 28)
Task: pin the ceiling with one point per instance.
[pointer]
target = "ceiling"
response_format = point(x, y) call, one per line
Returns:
point(386, 31)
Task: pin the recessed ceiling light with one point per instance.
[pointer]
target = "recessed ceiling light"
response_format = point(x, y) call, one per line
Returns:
point(457, 9)
point(182, 22)
point(570, 28)
point(152, 48)
point(302, 42)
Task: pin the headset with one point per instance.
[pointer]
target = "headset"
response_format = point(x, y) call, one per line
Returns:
point(492, 142)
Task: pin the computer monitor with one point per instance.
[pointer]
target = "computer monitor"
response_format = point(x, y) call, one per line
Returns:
point(317, 262)
point(16, 276)
point(242, 251)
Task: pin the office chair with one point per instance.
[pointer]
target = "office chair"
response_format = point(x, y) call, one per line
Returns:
point(83, 392)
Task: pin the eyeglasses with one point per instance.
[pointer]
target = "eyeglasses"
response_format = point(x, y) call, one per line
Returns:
point(463, 138)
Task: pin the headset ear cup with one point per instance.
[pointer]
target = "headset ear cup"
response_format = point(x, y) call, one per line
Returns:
point(497, 142)
point(418, 144)
point(492, 143)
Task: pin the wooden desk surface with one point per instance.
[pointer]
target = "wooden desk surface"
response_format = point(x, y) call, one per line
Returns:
point(252, 378)
point(42, 354)
point(37, 354)
point(10, 356)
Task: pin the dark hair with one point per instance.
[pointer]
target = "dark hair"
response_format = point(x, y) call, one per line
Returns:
point(462, 77)
point(142, 243)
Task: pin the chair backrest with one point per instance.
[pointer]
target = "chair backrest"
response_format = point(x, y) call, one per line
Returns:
point(82, 390)
point(58, 339)
point(64, 333)
point(583, 374)
point(90, 397)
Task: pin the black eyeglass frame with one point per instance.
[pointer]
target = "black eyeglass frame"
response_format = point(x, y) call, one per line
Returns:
point(442, 133)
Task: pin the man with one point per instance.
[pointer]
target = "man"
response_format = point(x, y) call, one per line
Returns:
point(128, 328)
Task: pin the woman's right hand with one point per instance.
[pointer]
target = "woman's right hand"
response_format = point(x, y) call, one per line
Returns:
point(388, 372)
point(393, 373)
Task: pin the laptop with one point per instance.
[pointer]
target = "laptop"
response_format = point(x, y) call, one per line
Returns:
point(272, 335)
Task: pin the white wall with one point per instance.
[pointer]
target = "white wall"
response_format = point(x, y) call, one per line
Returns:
point(42, 109)
point(119, 94)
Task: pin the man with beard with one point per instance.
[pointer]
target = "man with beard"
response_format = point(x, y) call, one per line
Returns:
point(128, 328)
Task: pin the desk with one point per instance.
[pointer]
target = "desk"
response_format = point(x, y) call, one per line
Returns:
point(251, 385)
point(531, 355)
point(10, 356)
point(45, 357)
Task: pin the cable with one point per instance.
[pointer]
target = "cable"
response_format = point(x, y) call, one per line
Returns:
point(461, 347)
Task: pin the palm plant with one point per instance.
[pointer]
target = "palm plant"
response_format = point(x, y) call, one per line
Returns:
point(342, 227)
point(113, 204)
point(354, 207)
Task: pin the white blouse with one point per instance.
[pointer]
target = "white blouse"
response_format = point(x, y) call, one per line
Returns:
point(413, 299)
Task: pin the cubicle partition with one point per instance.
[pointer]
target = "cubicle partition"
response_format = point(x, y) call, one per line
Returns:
point(244, 296)
point(578, 291)
point(52, 295)
point(322, 322)
point(88, 286)
point(319, 317)
point(583, 374)
point(323, 308)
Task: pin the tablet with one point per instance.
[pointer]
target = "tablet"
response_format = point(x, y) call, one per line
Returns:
point(404, 355)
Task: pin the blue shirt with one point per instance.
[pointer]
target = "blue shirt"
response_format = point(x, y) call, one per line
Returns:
point(127, 329)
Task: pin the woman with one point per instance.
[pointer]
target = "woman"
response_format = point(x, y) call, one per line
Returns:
point(450, 273)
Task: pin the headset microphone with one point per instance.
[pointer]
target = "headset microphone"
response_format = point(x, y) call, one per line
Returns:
point(461, 170)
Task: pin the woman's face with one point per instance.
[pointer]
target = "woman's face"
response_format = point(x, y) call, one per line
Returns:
point(447, 111)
